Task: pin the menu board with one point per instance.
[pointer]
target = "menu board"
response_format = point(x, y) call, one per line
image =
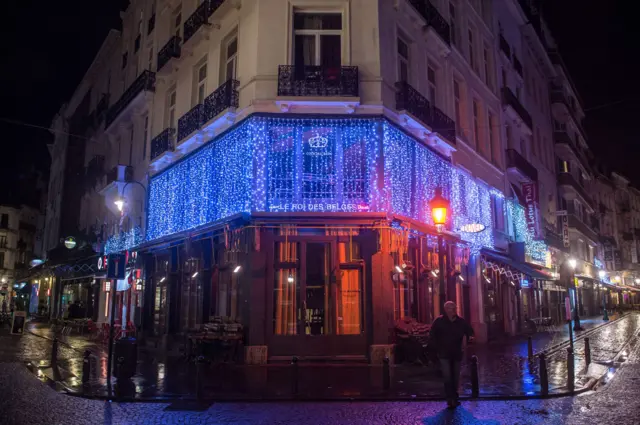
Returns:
point(19, 320)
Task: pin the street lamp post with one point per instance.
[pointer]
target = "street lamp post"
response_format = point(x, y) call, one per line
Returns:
point(605, 313)
point(439, 211)
point(576, 322)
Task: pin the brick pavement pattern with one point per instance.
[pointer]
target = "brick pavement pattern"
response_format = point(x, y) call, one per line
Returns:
point(26, 400)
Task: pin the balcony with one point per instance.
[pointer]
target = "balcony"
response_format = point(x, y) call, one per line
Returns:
point(555, 240)
point(146, 82)
point(518, 164)
point(191, 121)
point(517, 66)
point(200, 18)
point(567, 179)
point(561, 137)
point(224, 97)
point(410, 100)
point(115, 178)
point(93, 172)
point(196, 126)
point(170, 51)
point(163, 142)
point(519, 112)
point(504, 46)
point(317, 81)
point(433, 19)
point(558, 97)
point(576, 223)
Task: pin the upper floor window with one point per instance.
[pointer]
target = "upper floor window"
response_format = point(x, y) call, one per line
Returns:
point(150, 59)
point(431, 78)
point(230, 58)
point(3, 241)
point(488, 68)
point(176, 21)
point(4, 221)
point(492, 123)
point(145, 136)
point(200, 80)
point(563, 166)
point(472, 59)
point(171, 109)
point(457, 98)
point(453, 24)
point(497, 210)
point(125, 56)
point(476, 123)
point(317, 39)
point(403, 60)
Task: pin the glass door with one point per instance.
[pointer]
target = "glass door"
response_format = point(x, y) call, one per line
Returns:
point(317, 299)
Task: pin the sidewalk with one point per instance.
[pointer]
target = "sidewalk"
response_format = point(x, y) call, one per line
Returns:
point(503, 370)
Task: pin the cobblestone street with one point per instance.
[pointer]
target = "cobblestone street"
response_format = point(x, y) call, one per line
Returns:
point(611, 403)
point(31, 402)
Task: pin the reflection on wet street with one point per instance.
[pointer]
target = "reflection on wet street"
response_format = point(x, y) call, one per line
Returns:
point(503, 369)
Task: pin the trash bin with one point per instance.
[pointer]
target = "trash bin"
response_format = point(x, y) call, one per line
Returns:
point(125, 358)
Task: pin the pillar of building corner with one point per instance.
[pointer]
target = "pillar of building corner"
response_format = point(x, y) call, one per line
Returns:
point(476, 288)
point(254, 280)
point(382, 300)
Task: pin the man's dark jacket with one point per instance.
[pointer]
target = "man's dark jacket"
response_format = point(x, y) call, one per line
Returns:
point(445, 336)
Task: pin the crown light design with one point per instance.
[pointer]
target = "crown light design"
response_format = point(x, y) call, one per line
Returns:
point(318, 142)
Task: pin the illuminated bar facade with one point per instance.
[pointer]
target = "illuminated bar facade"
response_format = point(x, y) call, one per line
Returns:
point(315, 233)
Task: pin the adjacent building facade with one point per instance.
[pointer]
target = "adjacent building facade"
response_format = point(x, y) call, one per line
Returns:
point(273, 162)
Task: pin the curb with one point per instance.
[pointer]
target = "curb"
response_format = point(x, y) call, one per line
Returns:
point(557, 347)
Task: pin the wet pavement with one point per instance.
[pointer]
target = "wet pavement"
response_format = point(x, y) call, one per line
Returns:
point(503, 369)
point(33, 403)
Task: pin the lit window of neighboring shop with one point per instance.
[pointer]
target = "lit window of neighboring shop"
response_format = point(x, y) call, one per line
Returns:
point(191, 294)
point(349, 287)
point(224, 283)
point(160, 298)
point(286, 287)
point(461, 274)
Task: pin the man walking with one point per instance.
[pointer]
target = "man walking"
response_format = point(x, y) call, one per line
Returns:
point(446, 334)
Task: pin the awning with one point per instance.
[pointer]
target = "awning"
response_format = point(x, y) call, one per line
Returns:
point(492, 258)
point(630, 288)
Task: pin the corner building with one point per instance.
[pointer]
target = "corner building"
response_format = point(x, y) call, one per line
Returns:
point(295, 146)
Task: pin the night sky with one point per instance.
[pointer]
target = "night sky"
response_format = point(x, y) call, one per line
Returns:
point(48, 47)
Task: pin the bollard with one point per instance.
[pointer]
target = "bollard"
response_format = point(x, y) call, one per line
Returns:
point(386, 378)
point(570, 371)
point(475, 384)
point(86, 366)
point(544, 376)
point(570, 335)
point(294, 375)
point(54, 353)
point(530, 348)
point(200, 361)
point(587, 351)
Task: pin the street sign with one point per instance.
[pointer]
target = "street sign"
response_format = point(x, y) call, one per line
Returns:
point(119, 261)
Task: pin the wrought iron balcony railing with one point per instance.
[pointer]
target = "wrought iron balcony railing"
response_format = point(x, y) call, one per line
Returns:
point(577, 224)
point(224, 97)
point(169, 51)
point(504, 46)
point(562, 137)
point(410, 100)
point(517, 161)
point(191, 121)
point(145, 82)
point(162, 143)
point(306, 80)
point(510, 99)
point(568, 180)
point(200, 17)
point(433, 18)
